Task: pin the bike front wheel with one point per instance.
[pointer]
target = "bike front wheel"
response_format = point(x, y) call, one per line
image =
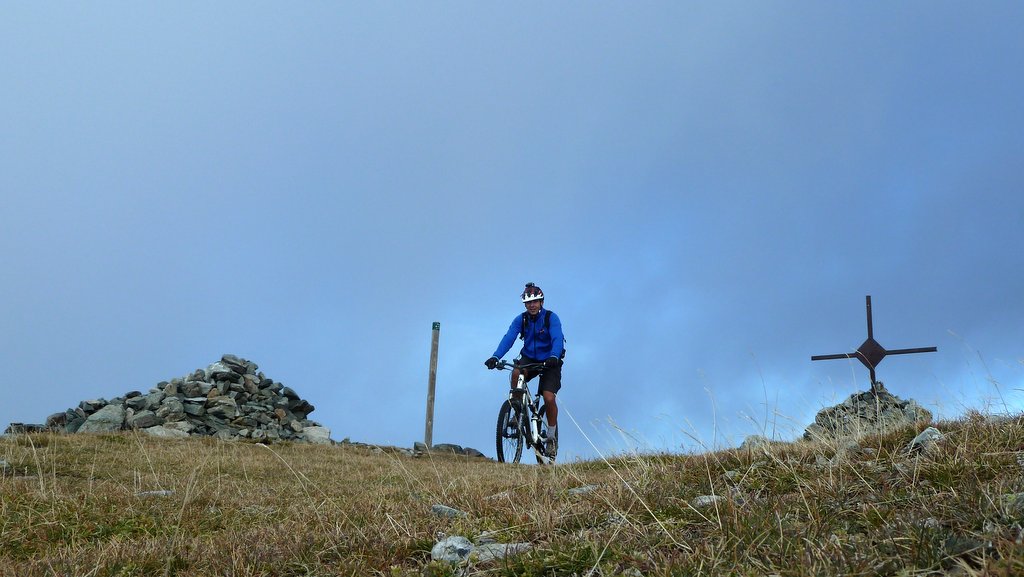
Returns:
point(509, 435)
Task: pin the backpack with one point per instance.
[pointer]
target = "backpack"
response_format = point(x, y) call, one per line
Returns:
point(547, 326)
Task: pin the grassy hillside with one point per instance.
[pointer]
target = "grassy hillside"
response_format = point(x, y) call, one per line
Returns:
point(128, 505)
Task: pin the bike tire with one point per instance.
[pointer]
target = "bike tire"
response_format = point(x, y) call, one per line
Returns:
point(509, 435)
point(544, 429)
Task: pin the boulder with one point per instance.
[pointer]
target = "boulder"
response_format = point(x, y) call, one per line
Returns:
point(137, 403)
point(223, 407)
point(57, 421)
point(171, 409)
point(106, 420)
point(927, 441)
point(451, 549)
point(144, 419)
point(76, 418)
point(317, 435)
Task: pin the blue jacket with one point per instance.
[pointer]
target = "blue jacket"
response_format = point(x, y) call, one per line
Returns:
point(538, 343)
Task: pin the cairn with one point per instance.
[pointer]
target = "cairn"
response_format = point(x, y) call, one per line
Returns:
point(228, 400)
point(865, 413)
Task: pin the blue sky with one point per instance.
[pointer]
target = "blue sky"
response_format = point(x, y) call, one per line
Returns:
point(705, 192)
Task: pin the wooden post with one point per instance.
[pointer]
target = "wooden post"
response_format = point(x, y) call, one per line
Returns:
point(428, 439)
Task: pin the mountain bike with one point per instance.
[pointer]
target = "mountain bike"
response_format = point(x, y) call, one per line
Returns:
point(521, 421)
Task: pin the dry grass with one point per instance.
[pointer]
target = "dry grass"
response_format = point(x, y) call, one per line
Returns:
point(73, 507)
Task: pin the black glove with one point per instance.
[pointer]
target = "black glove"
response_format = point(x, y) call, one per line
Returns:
point(551, 363)
point(491, 362)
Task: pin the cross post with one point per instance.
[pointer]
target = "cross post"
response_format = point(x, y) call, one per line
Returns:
point(870, 353)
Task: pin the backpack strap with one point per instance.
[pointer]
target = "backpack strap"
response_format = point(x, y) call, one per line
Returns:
point(547, 324)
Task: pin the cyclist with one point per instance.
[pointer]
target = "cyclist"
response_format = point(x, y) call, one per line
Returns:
point(541, 331)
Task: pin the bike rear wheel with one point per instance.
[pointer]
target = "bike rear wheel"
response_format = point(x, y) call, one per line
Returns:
point(509, 434)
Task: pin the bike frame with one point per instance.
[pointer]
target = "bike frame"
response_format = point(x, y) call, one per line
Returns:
point(530, 409)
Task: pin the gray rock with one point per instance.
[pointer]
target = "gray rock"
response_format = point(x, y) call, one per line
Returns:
point(446, 511)
point(848, 446)
point(755, 442)
point(168, 415)
point(240, 366)
point(144, 419)
point(106, 420)
point(926, 441)
point(190, 390)
point(457, 549)
point(223, 407)
point(301, 408)
point(137, 403)
point(706, 500)
point(1013, 503)
point(583, 490)
point(172, 404)
point(75, 420)
point(495, 551)
point(226, 435)
point(6, 468)
point(57, 421)
point(615, 519)
point(165, 432)
point(153, 400)
point(452, 549)
point(195, 409)
point(183, 426)
point(92, 406)
point(446, 448)
point(318, 435)
point(221, 371)
point(485, 538)
point(161, 493)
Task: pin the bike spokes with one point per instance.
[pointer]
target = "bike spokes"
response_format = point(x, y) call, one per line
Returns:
point(509, 435)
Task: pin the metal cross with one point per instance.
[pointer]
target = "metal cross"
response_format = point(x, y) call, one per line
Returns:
point(871, 353)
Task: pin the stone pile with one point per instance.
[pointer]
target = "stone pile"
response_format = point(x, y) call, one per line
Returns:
point(866, 413)
point(228, 399)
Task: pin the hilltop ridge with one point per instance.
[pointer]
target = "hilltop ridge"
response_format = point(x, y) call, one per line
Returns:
point(941, 500)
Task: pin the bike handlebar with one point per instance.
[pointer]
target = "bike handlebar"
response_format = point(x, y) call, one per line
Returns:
point(506, 365)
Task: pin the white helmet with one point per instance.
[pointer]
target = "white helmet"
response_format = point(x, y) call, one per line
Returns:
point(532, 293)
